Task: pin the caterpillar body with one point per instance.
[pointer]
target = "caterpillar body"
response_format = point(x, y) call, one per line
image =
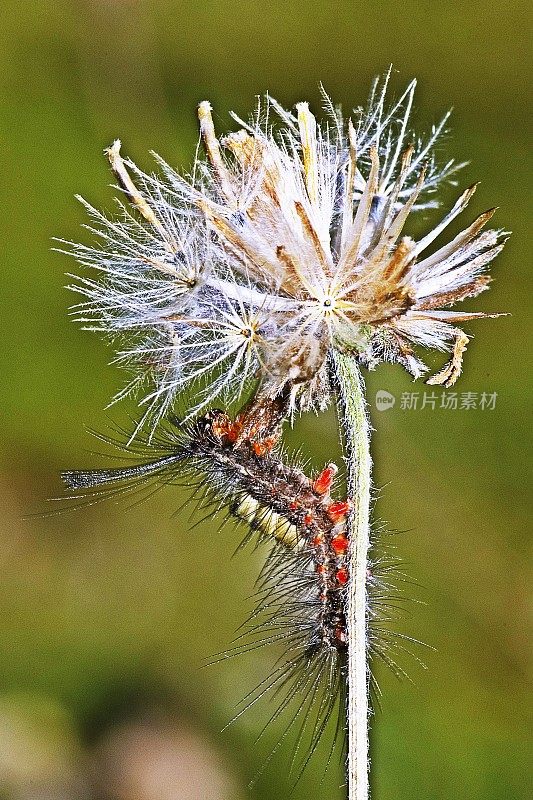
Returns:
point(302, 589)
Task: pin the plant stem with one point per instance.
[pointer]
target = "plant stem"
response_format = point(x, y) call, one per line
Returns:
point(353, 415)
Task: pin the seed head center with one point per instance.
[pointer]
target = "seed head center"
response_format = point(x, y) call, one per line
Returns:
point(328, 304)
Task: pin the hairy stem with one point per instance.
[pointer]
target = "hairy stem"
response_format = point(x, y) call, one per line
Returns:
point(356, 428)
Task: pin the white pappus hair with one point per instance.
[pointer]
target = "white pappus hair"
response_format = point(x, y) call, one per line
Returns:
point(285, 242)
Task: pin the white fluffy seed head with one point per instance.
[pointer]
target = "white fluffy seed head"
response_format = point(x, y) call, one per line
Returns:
point(285, 242)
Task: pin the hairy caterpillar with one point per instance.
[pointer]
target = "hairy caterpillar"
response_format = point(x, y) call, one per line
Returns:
point(301, 599)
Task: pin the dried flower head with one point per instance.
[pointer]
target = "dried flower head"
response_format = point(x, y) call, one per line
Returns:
point(284, 243)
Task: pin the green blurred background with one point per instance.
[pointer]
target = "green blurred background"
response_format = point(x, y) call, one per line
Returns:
point(107, 614)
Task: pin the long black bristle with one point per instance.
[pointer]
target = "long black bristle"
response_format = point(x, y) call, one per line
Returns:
point(91, 479)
